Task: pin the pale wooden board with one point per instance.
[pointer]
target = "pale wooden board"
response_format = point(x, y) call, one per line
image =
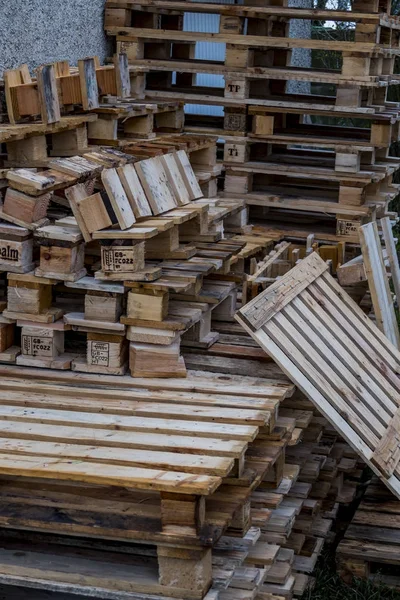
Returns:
point(378, 282)
point(336, 355)
point(182, 193)
point(155, 183)
point(134, 191)
point(188, 175)
point(88, 83)
point(118, 198)
point(392, 255)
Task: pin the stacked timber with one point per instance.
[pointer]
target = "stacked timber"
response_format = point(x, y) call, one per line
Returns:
point(313, 161)
point(369, 549)
point(221, 502)
point(67, 111)
point(113, 257)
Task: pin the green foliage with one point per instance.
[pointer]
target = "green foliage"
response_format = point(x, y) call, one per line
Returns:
point(329, 586)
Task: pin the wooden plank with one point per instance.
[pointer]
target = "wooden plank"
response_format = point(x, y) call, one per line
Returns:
point(118, 198)
point(88, 83)
point(156, 185)
point(134, 191)
point(130, 477)
point(188, 175)
point(135, 423)
point(182, 194)
point(47, 87)
point(378, 282)
point(257, 312)
point(387, 453)
point(119, 439)
point(392, 255)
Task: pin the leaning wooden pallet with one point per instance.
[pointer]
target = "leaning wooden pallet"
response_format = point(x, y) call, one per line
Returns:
point(309, 298)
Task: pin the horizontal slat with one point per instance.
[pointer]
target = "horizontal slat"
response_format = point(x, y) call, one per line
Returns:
point(189, 412)
point(54, 468)
point(125, 423)
point(168, 461)
point(121, 439)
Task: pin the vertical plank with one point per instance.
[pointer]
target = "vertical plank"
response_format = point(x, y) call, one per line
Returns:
point(118, 198)
point(122, 76)
point(49, 101)
point(392, 255)
point(88, 81)
point(378, 282)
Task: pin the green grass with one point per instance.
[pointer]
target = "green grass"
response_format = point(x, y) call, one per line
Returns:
point(329, 586)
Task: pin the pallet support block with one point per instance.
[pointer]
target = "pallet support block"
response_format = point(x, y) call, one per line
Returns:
point(186, 569)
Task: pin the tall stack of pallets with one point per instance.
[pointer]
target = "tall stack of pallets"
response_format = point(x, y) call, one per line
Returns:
point(305, 162)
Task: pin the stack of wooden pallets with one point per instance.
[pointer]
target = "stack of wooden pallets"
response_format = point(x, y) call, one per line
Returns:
point(193, 488)
point(65, 110)
point(149, 206)
point(370, 548)
point(318, 161)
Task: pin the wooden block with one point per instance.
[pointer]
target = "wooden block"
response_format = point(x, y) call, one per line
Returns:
point(103, 306)
point(42, 341)
point(238, 57)
point(156, 185)
point(349, 163)
point(188, 569)
point(29, 151)
point(163, 244)
point(66, 264)
point(182, 514)
point(27, 209)
point(6, 336)
point(151, 335)
point(16, 256)
point(106, 350)
point(67, 143)
point(28, 298)
point(237, 153)
point(120, 17)
point(118, 198)
point(149, 305)
point(103, 129)
point(134, 191)
point(236, 88)
point(123, 259)
point(351, 195)
point(94, 213)
point(148, 360)
point(263, 125)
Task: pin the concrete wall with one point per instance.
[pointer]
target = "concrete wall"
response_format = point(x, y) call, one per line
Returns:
point(40, 31)
point(301, 57)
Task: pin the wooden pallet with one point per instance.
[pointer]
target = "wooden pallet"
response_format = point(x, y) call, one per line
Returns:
point(369, 549)
point(267, 314)
point(118, 122)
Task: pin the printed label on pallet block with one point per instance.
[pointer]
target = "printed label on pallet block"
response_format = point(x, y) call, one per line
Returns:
point(347, 227)
point(37, 346)
point(15, 253)
point(121, 259)
point(99, 353)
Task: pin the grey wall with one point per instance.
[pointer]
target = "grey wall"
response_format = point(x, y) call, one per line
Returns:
point(40, 31)
point(301, 57)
